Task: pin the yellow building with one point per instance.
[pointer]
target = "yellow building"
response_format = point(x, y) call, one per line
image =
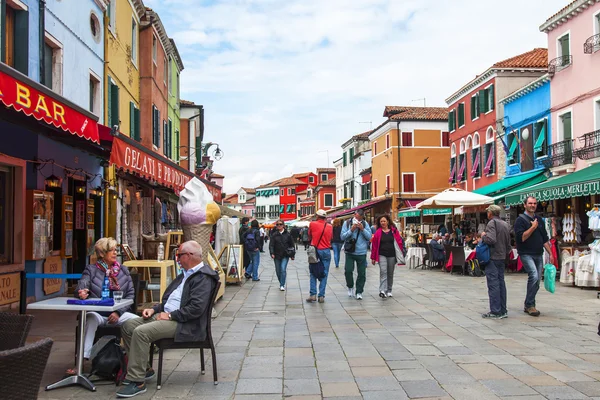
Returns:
point(122, 56)
point(410, 153)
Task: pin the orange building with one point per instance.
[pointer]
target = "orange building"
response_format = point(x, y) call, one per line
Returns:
point(410, 153)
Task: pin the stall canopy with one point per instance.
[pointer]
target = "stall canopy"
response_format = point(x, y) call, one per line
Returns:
point(352, 210)
point(499, 189)
point(580, 183)
point(453, 198)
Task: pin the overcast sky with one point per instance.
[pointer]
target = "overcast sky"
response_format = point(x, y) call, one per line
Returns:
point(285, 82)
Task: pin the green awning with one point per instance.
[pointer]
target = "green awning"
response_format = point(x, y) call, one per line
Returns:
point(437, 211)
point(580, 183)
point(513, 147)
point(411, 212)
point(511, 183)
point(537, 147)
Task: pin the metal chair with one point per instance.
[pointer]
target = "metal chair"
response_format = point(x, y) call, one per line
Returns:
point(207, 343)
point(458, 258)
point(432, 262)
point(14, 329)
point(22, 370)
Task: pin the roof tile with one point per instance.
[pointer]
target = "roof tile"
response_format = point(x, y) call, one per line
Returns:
point(405, 113)
point(536, 58)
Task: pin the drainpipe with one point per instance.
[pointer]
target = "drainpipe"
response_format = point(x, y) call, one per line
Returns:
point(42, 28)
point(107, 170)
point(399, 173)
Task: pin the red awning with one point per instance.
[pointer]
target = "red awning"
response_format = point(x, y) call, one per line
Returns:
point(352, 210)
point(132, 157)
point(411, 203)
point(20, 93)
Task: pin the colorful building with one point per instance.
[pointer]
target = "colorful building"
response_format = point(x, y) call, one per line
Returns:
point(287, 194)
point(325, 174)
point(267, 202)
point(175, 66)
point(325, 195)
point(122, 66)
point(191, 134)
point(475, 116)
point(409, 155)
point(573, 45)
point(356, 157)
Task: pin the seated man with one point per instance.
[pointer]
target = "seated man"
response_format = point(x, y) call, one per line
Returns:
point(439, 254)
point(181, 316)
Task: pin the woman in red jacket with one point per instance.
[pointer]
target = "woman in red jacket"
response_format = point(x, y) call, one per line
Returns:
point(387, 250)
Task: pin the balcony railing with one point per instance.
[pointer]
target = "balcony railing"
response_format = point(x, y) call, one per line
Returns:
point(590, 146)
point(560, 153)
point(592, 44)
point(559, 63)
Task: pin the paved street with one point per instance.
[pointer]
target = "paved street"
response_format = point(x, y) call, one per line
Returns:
point(428, 341)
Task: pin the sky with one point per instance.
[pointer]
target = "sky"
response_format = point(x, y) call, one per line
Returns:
point(285, 82)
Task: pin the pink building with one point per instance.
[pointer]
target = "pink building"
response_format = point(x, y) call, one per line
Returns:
point(574, 65)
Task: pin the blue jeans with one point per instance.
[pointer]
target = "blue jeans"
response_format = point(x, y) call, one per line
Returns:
point(325, 256)
point(280, 269)
point(533, 265)
point(254, 264)
point(494, 274)
point(337, 250)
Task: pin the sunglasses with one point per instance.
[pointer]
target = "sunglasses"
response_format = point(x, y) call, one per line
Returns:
point(279, 224)
point(183, 254)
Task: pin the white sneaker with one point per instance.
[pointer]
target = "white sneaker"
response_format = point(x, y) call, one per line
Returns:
point(282, 288)
point(358, 296)
point(350, 292)
point(389, 294)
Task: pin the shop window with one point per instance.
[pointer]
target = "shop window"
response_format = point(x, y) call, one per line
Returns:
point(95, 96)
point(513, 148)
point(6, 215)
point(16, 36)
point(53, 61)
point(328, 200)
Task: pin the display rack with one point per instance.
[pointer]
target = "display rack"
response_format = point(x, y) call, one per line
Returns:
point(39, 228)
point(90, 226)
point(231, 260)
point(66, 248)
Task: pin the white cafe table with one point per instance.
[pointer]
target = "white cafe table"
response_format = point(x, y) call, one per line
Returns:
point(414, 256)
point(60, 304)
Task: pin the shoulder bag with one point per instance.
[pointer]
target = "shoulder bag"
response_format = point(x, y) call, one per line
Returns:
point(312, 250)
point(350, 243)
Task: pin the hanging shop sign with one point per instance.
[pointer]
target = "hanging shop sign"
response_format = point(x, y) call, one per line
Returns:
point(557, 192)
point(437, 211)
point(42, 105)
point(132, 159)
point(409, 213)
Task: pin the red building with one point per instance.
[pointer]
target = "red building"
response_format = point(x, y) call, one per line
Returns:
point(325, 194)
point(477, 154)
point(325, 174)
point(288, 189)
point(309, 179)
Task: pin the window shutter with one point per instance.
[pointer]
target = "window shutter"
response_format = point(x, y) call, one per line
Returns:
point(114, 93)
point(176, 146)
point(473, 108)
point(351, 155)
point(345, 160)
point(165, 129)
point(136, 114)
point(491, 100)
point(482, 101)
point(450, 120)
point(21, 42)
point(461, 114)
point(131, 120)
point(109, 116)
point(170, 142)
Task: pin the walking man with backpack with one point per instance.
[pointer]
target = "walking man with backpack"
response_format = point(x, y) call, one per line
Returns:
point(320, 233)
point(356, 235)
point(532, 238)
point(497, 237)
point(243, 228)
point(251, 241)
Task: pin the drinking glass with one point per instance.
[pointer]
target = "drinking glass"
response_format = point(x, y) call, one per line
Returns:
point(117, 295)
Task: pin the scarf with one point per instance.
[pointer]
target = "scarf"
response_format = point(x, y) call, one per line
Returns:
point(112, 273)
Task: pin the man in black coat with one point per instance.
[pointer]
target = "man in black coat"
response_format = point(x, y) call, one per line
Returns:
point(181, 315)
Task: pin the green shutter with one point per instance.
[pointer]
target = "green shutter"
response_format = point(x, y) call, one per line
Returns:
point(450, 121)
point(345, 160)
point(109, 100)
point(21, 42)
point(482, 101)
point(136, 115)
point(491, 97)
point(114, 93)
point(281, 209)
point(351, 155)
point(461, 114)
point(131, 120)
point(473, 108)
point(176, 149)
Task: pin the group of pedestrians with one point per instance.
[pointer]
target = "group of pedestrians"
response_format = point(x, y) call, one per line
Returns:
point(531, 239)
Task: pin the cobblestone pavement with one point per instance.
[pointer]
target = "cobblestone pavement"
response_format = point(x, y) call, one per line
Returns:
point(428, 341)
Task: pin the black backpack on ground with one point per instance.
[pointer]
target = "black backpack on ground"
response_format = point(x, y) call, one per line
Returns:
point(110, 363)
point(472, 268)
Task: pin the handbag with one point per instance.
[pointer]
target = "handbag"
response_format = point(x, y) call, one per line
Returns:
point(317, 269)
point(399, 254)
point(290, 252)
point(350, 243)
point(312, 250)
point(483, 252)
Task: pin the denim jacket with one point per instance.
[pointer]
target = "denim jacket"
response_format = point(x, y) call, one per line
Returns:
point(363, 238)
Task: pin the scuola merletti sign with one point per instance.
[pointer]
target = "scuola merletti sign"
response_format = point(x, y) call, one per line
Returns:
point(564, 192)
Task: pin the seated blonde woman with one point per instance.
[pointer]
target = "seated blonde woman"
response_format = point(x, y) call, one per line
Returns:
point(90, 286)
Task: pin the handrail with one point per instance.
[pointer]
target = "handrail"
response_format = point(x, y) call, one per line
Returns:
point(592, 44)
point(559, 63)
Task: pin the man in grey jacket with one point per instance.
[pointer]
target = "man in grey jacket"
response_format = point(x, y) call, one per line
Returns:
point(181, 315)
point(497, 237)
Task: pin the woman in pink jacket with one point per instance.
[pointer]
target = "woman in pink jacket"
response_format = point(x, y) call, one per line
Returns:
point(387, 249)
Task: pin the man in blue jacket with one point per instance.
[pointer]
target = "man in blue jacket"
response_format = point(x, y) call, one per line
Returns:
point(356, 235)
